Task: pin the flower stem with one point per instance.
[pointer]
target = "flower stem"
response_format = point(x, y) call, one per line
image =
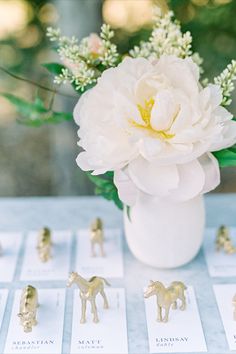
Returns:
point(36, 84)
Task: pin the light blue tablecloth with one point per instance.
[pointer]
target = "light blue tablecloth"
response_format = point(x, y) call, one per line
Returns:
point(72, 213)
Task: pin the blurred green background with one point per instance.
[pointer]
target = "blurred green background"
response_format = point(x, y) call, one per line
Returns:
point(41, 161)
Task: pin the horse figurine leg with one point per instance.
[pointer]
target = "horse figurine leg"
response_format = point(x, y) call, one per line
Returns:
point(93, 254)
point(102, 249)
point(159, 313)
point(102, 292)
point(94, 311)
point(174, 306)
point(183, 299)
point(83, 311)
point(167, 309)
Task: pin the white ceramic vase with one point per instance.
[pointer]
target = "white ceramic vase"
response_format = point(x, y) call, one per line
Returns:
point(165, 234)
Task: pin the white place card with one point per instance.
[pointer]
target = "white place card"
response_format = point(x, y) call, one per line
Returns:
point(182, 333)
point(110, 266)
point(56, 268)
point(46, 336)
point(224, 294)
point(109, 336)
point(10, 245)
point(3, 302)
point(220, 264)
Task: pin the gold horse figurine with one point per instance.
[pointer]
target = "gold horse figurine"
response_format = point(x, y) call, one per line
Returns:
point(44, 244)
point(88, 292)
point(223, 241)
point(234, 306)
point(97, 236)
point(28, 307)
point(166, 297)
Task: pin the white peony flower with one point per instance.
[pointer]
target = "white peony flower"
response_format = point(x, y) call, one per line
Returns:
point(155, 126)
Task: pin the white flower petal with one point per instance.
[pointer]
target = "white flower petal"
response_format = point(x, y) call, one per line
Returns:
point(79, 106)
point(191, 181)
point(82, 161)
point(127, 190)
point(151, 178)
point(222, 114)
point(212, 172)
point(227, 138)
point(215, 95)
point(150, 148)
point(181, 73)
point(163, 111)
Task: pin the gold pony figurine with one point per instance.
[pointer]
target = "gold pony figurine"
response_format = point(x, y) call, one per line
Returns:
point(166, 297)
point(234, 306)
point(97, 236)
point(223, 241)
point(28, 307)
point(88, 292)
point(44, 244)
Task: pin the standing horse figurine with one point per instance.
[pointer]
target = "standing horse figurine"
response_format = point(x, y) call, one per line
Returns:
point(166, 297)
point(97, 236)
point(88, 292)
point(223, 241)
point(234, 306)
point(44, 244)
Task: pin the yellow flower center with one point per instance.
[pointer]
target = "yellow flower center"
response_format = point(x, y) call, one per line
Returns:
point(145, 113)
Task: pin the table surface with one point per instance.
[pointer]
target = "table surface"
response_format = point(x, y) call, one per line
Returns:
point(72, 213)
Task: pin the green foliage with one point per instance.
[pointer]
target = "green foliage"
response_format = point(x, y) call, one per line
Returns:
point(35, 114)
point(226, 157)
point(106, 188)
point(54, 68)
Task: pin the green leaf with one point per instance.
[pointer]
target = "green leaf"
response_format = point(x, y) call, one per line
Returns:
point(54, 68)
point(105, 187)
point(226, 157)
point(35, 113)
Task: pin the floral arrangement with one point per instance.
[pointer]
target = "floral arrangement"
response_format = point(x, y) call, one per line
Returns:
point(148, 121)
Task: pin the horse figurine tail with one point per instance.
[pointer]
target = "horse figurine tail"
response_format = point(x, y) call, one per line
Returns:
point(105, 281)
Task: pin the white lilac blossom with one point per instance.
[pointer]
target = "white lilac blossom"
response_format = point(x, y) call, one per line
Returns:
point(226, 81)
point(155, 126)
point(81, 59)
point(166, 38)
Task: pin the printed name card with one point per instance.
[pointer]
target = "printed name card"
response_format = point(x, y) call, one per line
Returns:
point(224, 296)
point(182, 333)
point(46, 336)
point(3, 302)
point(220, 264)
point(10, 243)
point(57, 267)
point(109, 336)
point(109, 266)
